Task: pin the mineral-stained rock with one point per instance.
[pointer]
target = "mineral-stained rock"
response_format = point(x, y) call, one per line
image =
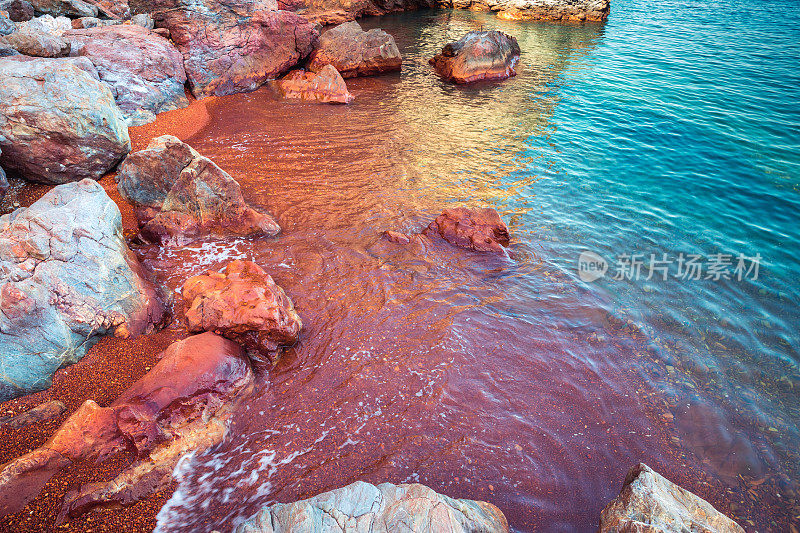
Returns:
point(181, 405)
point(244, 304)
point(66, 8)
point(180, 195)
point(326, 86)
point(38, 44)
point(46, 24)
point(232, 46)
point(480, 229)
point(479, 55)
point(58, 121)
point(355, 52)
point(40, 413)
point(3, 182)
point(7, 26)
point(564, 10)
point(649, 503)
point(144, 70)
point(18, 10)
point(338, 11)
point(84, 23)
point(144, 20)
point(364, 508)
point(66, 279)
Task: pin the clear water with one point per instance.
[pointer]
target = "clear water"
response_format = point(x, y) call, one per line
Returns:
point(673, 128)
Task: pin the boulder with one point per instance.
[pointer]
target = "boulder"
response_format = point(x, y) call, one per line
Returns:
point(479, 55)
point(7, 26)
point(144, 20)
point(113, 9)
point(46, 24)
point(84, 23)
point(179, 195)
point(40, 413)
point(144, 70)
point(649, 503)
point(479, 229)
point(244, 304)
point(18, 10)
point(365, 508)
point(327, 12)
point(38, 44)
point(64, 8)
point(355, 52)
point(182, 404)
point(232, 46)
point(58, 121)
point(327, 86)
point(3, 181)
point(564, 10)
point(67, 278)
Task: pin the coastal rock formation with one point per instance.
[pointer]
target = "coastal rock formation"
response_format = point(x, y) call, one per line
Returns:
point(64, 8)
point(46, 24)
point(66, 279)
point(338, 11)
point(244, 304)
point(180, 195)
point(58, 121)
point(37, 44)
point(18, 10)
point(232, 46)
point(649, 502)
point(144, 70)
point(563, 11)
point(355, 52)
point(479, 55)
point(181, 405)
point(327, 86)
point(479, 229)
point(3, 181)
point(364, 508)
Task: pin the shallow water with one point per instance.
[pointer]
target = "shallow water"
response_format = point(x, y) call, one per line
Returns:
point(673, 128)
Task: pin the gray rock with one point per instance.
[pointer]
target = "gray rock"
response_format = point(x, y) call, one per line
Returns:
point(46, 24)
point(6, 24)
point(58, 121)
point(3, 182)
point(38, 44)
point(67, 278)
point(650, 503)
point(66, 8)
point(18, 10)
point(386, 508)
point(144, 20)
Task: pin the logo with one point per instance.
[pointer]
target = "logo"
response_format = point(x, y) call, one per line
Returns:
point(591, 266)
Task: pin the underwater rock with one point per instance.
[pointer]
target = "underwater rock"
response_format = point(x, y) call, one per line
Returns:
point(180, 195)
point(479, 55)
point(479, 229)
point(244, 304)
point(327, 86)
point(650, 503)
point(355, 52)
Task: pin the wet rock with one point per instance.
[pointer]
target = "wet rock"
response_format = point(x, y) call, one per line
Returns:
point(18, 10)
point(232, 46)
point(396, 236)
point(64, 8)
point(180, 195)
point(479, 229)
point(144, 70)
point(58, 121)
point(67, 278)
point(362, 507)
point(355, 52)
point(37, 44)
point(244, 304)
point(327, 86)
point(479, 55)
point(564, 10)
point(182, 404)
point(649, 503)
point(40, 413)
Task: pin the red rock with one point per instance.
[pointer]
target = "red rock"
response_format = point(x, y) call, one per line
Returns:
point(396, 236)
point(355, 52)
point(244, 304)
point(479, 55)
point(327, 86)
point(40, 413)
point(565, 11)
point(479, 229)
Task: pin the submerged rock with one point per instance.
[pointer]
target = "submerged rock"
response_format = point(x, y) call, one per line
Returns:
point(144, 70)
point(181, 405)
point(58, 121)
point(327, 86)
point(180, 195)
point(479, 229)
point(479, 55)
point(650, 503)
point(355, 52)
point(244, 304)
point(37, 44)
point(365, 508)
point(232, 46)
point(67, 278)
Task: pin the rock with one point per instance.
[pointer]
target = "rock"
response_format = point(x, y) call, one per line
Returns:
point(244, 304)
point(67, 278)
point(179, 195)
point(144, 20)
point(396, 236)
point(18, 10)
point(327, 86)
point(85, 23)
point(38, 44)
point(65, 8)
point(58, 121)
point(7, 26)
point(328, 12)
point(144, 70)
point(564, 10)
point(649, 503)
point(113, 9)
point(479, 55)
point(479, 229)
point(355, 52)
point(40, 413)
point(182, 404)
point(232, 46)
point(3, 181)
point(46, 24)
point(364, 508)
